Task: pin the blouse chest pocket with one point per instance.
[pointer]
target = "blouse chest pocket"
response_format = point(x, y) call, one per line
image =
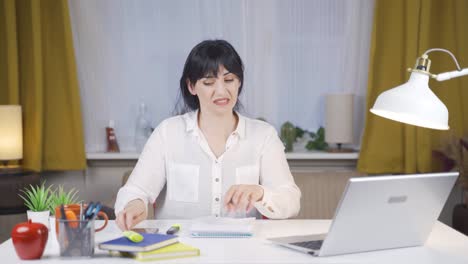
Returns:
point(182, 182)
point(248, 175)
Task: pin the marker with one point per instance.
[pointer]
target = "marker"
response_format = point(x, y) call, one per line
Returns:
point(173, 229)
point(133, 236)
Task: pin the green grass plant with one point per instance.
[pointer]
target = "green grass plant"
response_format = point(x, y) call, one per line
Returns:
point(37, 199)
point(60, 196)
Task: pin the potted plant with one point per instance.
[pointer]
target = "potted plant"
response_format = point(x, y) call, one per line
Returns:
point(317, 141)
point(62, 197)
point(290, 134)
point(38, 200)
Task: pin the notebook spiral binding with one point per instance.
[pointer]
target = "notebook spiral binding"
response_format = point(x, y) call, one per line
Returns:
point(221, 235)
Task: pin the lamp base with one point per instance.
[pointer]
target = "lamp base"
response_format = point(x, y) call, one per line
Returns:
point(340, 150)
point(11, 170)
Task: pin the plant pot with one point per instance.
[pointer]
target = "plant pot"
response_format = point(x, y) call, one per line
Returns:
point(460, 218)
point(39, 217)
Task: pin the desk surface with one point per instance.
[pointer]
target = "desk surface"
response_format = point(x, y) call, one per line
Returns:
point(444, 245)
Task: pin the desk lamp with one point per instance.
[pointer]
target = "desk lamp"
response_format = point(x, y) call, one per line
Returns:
point(11, 135)
point(339, 121)
point(413, 102)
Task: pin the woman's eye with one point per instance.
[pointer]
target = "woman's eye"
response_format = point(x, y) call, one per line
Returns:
point(229, 80)
point(208, 83)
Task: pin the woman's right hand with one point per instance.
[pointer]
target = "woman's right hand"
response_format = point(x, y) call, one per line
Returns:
point(134, 213)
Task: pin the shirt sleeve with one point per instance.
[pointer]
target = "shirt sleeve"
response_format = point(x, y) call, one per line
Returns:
point(281, 197)
point(149, 175)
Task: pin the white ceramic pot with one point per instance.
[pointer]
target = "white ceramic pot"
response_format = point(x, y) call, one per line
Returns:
point(39, 217)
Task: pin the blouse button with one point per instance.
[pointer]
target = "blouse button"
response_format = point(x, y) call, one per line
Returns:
point(217, 199)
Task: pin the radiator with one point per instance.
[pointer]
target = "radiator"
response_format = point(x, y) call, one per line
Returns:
point(321, 192)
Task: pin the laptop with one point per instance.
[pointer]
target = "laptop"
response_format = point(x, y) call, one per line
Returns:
point(381, 212)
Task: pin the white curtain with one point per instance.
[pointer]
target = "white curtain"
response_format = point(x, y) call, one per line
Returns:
point(294, 53)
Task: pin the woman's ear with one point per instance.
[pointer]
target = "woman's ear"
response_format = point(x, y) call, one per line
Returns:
point(191, 87)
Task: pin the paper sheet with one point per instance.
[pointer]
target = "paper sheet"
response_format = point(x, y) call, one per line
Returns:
point(222, 225)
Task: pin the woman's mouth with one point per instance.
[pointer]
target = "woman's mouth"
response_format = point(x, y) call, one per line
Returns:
point(221, 101)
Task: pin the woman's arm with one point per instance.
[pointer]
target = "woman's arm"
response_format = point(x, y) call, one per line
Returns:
point(281, 196)
point(144, 184)
point(277, 196)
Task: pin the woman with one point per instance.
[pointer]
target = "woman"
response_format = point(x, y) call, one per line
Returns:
point(212, 159)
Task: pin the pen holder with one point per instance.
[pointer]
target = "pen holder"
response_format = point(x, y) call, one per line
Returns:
point(76, 238)
point(75, 208)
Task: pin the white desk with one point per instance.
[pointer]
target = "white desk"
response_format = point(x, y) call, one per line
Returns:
point(444, 245)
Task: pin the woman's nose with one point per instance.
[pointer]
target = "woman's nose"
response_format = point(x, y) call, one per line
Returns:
point(220, 87)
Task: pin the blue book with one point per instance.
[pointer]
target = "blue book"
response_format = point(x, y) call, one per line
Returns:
point(150, 242)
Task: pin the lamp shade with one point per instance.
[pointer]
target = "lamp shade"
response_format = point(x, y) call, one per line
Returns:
point(11, 132)
point(413, 103)
point(339, 118)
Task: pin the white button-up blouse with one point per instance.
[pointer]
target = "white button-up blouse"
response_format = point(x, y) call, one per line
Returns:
point(178, 168)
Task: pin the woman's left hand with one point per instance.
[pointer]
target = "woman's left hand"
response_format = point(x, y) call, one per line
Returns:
point(242, 197)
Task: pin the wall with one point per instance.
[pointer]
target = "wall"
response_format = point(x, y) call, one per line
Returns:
point(294, 53)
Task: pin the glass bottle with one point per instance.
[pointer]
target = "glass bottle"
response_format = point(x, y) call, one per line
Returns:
point(143, 128)
point(112, 145)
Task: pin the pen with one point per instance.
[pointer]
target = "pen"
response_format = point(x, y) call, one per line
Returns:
point(88, 211)
point(81, 213)
point(92, 212)
point(97, 209)
point(66, 224)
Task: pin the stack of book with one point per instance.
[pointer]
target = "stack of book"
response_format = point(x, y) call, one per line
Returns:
point(152, 247)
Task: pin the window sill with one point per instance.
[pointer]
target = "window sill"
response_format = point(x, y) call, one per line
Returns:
point(312, 155)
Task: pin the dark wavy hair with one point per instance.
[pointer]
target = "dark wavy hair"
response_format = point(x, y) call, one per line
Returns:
point(205, 59)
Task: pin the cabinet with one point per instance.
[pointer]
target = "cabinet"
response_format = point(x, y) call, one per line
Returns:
point(12, 209)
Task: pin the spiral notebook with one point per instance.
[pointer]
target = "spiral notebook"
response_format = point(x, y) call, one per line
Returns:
point(222, 227)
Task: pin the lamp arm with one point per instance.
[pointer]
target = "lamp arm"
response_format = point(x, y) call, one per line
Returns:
point(446, 51)
point(452, 74)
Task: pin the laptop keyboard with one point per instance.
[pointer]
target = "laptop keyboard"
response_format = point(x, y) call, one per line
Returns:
point(314, 244)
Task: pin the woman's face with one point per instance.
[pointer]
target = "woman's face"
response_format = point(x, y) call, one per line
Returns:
point(217, 94)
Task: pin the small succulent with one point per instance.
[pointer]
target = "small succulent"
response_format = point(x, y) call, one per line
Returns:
point(37, 199)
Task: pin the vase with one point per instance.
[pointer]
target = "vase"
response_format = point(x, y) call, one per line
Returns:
point(39, 217)
point(288, 135)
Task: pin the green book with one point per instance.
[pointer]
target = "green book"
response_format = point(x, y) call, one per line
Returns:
point(177, 250)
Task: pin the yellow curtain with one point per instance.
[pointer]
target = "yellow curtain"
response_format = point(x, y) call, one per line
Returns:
point(403, 30)
point(38, 71)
